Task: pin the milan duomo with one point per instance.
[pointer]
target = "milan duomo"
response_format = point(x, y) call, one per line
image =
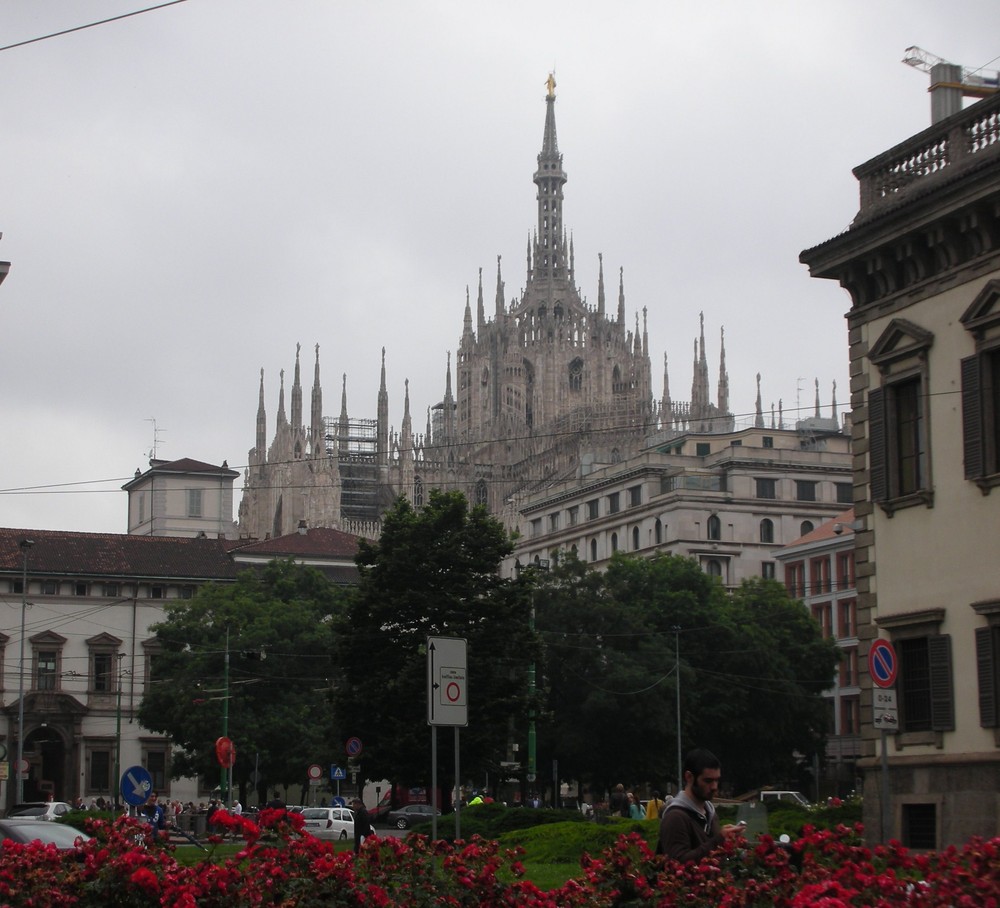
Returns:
point(542, 383)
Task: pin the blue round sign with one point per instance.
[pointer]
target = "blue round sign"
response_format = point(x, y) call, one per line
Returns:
point(136, 784)
point(353, 747)
point(882, 663)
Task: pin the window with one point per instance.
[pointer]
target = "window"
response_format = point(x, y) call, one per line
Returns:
point(919, 826)
point(981, 390)
point(898, 418)
point(988, 664)
point(795, 579)
point(157, 591)
point(635, 496)
point(819, 570)
point(635, 539)
point(154, 758)
point(194, 502)
point(614, 503)
point(482, 493)
point(768, 441)
point(850, 716)
point(111, 590)
point(845, 570)
point(99, 768)
point(849, 667)
point(848, 620)
point(80, 588)
point(49, 587)
point(766, 488)
point(553, 522)
point(614, 542)
point(418, 492)
point(573, 515)
point(536, 527)
point(737, 443)
point(593, 509)
point(845, 492)
point(703, 448)
point(713, 567)
point(924, 684)
point(805, 490)
point(45, 669)
point(822, 613)
point(102, 672)
point(593, 550)
point(767, 570)
point(658, 531)
point(806, 527)
point(714, 527)
point(767, 530)
point(17, 586)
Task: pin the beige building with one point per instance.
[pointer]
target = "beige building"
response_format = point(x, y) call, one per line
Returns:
point(182, 498)
point(729, 500)
point(819, 570)
point(921, 262)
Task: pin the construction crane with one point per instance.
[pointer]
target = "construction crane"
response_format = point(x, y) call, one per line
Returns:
point(951, 82)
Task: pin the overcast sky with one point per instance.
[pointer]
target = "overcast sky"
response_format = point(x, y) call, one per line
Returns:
point(188, 193)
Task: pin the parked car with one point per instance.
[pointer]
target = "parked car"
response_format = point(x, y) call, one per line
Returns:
point(40, 810)
point(30, 829)
point(795, 797)
point(329, 822)
point(405, 817)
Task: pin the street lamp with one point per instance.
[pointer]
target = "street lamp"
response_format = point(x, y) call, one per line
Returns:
point(25, 545)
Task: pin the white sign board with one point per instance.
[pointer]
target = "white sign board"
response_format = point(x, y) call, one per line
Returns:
point(447, 681)
point(884, 709)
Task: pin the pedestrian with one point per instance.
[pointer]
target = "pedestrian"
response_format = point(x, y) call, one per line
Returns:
point(653, 806)
point(690, 827)
point(635, 811)
point(618, 803)
point(237, 808)
point(362, 824)
point(154, 814)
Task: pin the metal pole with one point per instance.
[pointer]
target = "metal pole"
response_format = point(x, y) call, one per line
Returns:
point(677, 668)
point(227, 789)
point(458, 791)
point(886, 811)
point(532, 736)
point(434, 782)
point(26, 544)
point(118, 732)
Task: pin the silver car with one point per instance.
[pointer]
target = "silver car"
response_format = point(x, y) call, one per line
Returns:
point(329, 822)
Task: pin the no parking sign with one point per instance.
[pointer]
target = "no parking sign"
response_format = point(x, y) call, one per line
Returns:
point(883, 665)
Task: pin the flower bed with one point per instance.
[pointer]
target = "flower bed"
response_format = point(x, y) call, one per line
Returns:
point(121, 868)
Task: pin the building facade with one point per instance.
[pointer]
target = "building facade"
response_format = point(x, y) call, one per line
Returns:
point(819, 570)
point(921, 262)
point(729, 500)
point(540, 382)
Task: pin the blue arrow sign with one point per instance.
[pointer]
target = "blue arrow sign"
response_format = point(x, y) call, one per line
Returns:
point(136, 784)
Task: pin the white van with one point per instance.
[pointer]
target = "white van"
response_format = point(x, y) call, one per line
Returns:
point(795, 797)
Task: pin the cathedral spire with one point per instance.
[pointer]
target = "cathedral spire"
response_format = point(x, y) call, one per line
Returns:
point(343, 423)
point(600, 284)
point(572, 261)
point(282, 419)
point(382, 426)
point(645, 334)
point(666, 405)
point(817, 413)
point(550, 256)
point(723, 376)
point(261, 421)
point(834, 414)
point(621, 299)
point(467, 326)
point(297, 392)
point(499, 299)
point(480, 309)
point(759, 418)
point(316, 433)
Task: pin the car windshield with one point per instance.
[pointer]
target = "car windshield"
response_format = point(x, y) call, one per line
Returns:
point(29, 810)
point(315, 813)
point(50, 833)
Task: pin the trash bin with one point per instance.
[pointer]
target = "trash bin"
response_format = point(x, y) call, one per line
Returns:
point(200, 824)
point(184, 822)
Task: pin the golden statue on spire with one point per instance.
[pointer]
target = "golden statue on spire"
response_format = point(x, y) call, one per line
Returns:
point(550, 83)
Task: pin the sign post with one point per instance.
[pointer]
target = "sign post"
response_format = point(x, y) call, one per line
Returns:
point(447, 704)
point(883, 666)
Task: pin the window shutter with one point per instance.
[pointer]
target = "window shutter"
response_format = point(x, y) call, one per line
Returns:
point(942, 700)
point(972, 418)
point(986, 667)
point(876, 444)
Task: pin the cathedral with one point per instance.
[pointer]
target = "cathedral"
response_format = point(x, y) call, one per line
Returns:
point(545, 386)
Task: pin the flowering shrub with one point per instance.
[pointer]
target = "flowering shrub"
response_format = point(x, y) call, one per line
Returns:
point(123, 866)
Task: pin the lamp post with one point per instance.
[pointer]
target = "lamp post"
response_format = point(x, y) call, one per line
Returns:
point(26, 545)
point(677, 668)
point(118, 732)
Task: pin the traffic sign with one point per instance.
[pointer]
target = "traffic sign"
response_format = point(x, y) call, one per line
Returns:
point(337, 773)
point(884, 709)
point(447, 681)
point(353, 747)
point(136, 784)
point(314, 772)
point(882, 663)
point(225, 751)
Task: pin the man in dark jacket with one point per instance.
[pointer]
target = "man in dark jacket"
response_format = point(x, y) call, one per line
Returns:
point(362, 824)
point(690, 827)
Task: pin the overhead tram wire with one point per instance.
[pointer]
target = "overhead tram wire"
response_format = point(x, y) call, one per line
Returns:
point(80, 28)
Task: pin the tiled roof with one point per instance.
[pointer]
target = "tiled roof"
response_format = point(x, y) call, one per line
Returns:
point(826, 531)
point(316, 542)
point(184, 465)
point(116, 555)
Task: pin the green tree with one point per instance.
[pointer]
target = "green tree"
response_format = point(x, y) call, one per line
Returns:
point(432, 572)
point(278, 627)
point(752, 668)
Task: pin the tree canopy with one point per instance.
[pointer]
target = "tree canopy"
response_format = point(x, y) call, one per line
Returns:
point(278, 627)
point(752, 667)
point(432, 572)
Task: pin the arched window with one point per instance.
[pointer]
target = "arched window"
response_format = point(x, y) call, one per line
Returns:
point(576, 375)
point(713, 568)
point(614, 542)
point(714, 527)
point(658, 531)
point(593, 550)
point(418, 492)
point(572, 548)
point(616, 455)
point(482, 493)
point(807, 527)
point(635, 539)
point(767, 530)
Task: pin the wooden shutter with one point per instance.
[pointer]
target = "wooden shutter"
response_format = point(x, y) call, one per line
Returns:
point(942, 698)
point(986, 656)
point(876, 444)
point(972, 418)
